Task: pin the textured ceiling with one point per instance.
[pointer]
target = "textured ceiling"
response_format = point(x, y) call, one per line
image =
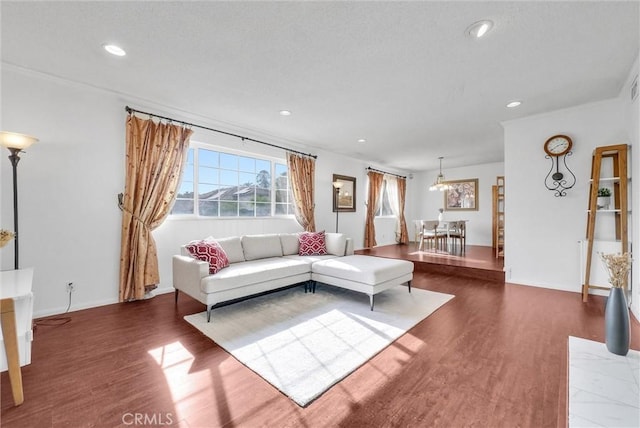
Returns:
point(403, 75)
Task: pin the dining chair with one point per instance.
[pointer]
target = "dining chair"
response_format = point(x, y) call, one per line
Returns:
point(417, 228)
point(430, 233)
point(458, 233)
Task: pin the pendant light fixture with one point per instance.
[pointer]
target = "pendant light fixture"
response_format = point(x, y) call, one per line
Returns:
point(439, 184)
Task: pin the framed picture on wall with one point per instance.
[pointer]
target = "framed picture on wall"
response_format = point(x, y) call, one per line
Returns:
point(344, 200)
point(461, 195)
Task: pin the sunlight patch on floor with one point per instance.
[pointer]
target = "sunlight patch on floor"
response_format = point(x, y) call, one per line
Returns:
point(185, 385)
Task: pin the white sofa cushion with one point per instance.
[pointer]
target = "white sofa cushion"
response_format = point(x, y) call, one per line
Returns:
point(290, 243)
point(261, 246)
point(232, 247)
point(364, 269)
point(254, 272)
point(336, 243)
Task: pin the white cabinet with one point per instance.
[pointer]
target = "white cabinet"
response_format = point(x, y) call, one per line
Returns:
point(16, 284)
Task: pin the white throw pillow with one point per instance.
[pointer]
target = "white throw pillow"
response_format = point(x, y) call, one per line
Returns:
point(290, 243)
point(232, 247)
point(261, 246)
point(336, 243)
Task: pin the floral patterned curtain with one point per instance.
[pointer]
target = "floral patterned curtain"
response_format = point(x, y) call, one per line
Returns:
point(373, 200)
point(156, 153)
point(302, 177)
point(403, 237)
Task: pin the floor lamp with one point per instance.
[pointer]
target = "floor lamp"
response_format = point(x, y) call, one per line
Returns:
point(16, 143)
point(337, 185)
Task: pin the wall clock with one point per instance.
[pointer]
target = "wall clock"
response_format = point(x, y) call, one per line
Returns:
point(557, 148)
point(558, 145)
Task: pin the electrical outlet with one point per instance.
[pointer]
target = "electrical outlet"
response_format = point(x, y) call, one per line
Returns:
point(70, 287)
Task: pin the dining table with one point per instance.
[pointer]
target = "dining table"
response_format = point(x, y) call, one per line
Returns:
point(444, 227)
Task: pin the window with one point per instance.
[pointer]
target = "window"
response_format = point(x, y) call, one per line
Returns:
point(232, 185)
point(384, 209)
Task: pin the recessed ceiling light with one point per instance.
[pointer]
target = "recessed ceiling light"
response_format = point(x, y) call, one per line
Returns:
point(479, 29)
point(513, 104)
point(362, 140)
point(114, 50)
point(285, 113)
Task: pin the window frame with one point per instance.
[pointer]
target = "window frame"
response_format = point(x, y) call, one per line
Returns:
point(273, 161)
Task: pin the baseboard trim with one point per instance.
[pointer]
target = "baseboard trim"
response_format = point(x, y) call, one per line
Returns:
point(88, 305)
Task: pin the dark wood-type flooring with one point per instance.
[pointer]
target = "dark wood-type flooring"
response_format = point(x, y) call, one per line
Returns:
point(494, 356)
point(476, 262)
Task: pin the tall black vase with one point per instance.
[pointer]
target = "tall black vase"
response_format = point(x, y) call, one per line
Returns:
point(616, 322)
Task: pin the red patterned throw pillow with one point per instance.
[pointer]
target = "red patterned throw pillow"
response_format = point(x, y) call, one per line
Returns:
point(312, 244)
point(210, 252)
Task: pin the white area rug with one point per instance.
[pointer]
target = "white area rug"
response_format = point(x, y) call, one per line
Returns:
point(304, 343)
point(604, 388)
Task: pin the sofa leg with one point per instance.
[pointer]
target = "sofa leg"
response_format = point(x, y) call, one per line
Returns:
point(176, 296)
point(309, 286)
point(409, 285)
point(209, 313)
point(314, 287)
point(371, 300)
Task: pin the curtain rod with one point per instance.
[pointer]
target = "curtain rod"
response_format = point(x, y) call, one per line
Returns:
point(385, 172)
point(132, 110)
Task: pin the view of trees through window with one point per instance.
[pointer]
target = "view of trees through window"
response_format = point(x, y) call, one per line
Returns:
point(219, 184)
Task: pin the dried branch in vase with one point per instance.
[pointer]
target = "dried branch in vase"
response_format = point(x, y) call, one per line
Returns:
point(5, 237)
point(618, 266)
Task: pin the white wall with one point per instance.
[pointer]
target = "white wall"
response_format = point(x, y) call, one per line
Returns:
point(68, 182)
point(632, 118)
point(541, 230)
point(479, 227)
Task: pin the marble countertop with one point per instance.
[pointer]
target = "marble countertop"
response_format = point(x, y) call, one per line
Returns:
point(604, 388)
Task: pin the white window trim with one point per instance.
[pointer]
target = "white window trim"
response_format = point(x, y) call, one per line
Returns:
point(195, 145)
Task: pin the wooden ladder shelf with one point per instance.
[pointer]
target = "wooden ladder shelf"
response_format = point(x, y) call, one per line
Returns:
point(498, 216)
point(618, 154)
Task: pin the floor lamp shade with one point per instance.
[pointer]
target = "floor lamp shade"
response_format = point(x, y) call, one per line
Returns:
point(16, 143)
point(13, 140)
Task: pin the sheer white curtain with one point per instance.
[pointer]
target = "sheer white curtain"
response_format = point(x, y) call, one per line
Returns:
point(394, 202)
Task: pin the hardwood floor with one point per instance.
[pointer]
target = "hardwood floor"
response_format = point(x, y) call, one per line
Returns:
point(494, 356)
point(476, 262)
point(474, 256)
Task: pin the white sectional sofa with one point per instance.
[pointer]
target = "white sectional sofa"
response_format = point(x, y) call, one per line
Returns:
point(257, 263)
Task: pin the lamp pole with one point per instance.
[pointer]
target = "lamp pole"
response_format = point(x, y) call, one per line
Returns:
point(16, 143)
point(14, 157)
point(337, 185)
